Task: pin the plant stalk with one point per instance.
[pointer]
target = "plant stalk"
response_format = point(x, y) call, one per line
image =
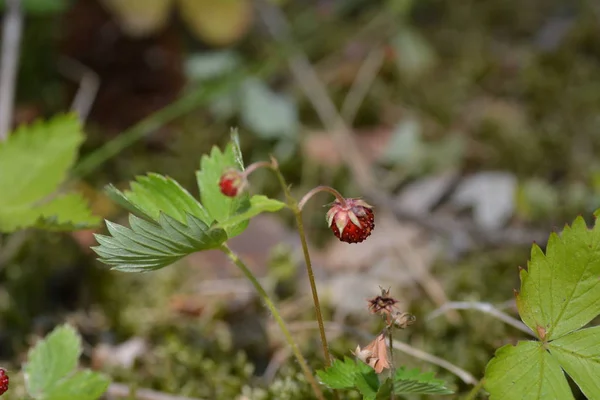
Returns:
point(311, 276)
point(271, 306)
point(392, 368)
point(476, 389)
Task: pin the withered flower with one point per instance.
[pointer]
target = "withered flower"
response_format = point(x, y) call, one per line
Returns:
point(383, 304)
point(374, 354)
point(403, 319)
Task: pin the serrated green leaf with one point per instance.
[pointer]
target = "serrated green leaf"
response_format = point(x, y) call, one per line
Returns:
point(560, 291)
point(367, 384)
point(340, 375)
point(35, 159)
point(52, 359)
point(578, 353)
point(385, 390)
point(82, 385)
point(219, 206)
point(414, 381)
point(525, 372)
point(152, 194)
point(65, 212)
point(258, 205)
point(148, 246)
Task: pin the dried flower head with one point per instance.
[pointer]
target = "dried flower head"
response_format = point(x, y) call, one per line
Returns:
point(383, 304)
point(374, 354)
point(351, 222)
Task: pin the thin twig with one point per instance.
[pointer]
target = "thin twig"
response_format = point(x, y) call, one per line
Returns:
point(120, 390)
point(11, 40)
point(465, 376)
point(420, 354)
point(89, 83)
point(486, 308)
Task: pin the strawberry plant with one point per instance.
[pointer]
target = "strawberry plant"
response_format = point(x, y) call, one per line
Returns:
point(166, 223)
point(559, 296)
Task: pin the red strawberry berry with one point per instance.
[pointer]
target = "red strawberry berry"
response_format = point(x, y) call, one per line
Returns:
point(352, 222)
point(232, 183)
point(3, 381)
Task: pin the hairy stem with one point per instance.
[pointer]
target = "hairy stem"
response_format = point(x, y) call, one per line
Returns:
point(318, 189)
point(271, 306)
point(311, 276)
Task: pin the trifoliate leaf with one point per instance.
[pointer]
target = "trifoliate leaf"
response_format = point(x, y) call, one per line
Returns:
point(414, 381)
point(34, 160)
point(82, 385)
point(148, 246)
point(578, 353)
point(50, 372)
point(51, 360)
point(560, 291)
point(258, 204)
point(219, 206)
point(525, 372)
point(152, 194)
point(340, 375)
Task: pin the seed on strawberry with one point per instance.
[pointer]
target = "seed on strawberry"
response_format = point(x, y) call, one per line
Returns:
point(3, 381)
point(351, 222)
point(232, 183)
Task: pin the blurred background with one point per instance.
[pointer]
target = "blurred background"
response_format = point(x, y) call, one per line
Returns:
point(473, 127)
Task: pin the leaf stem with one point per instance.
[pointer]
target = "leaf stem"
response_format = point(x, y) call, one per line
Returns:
point(293, 205)
point(473, 393)
point(271, 306)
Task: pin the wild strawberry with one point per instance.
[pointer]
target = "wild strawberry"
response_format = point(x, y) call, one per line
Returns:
point(351, 222)
point(232, 183)
point(3, 381)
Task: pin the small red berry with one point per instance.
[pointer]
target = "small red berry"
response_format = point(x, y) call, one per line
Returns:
point(3, 381)
point(352, 222)
point(232, 183)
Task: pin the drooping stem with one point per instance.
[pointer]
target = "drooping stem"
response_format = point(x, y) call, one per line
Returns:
point(260, 164)
point(271, 306)
point(294, 206)
point(318, 189)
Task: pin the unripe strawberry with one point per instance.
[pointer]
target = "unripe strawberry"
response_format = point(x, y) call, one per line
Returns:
point(3, 381)
point(352, 222)
point(232, 183)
